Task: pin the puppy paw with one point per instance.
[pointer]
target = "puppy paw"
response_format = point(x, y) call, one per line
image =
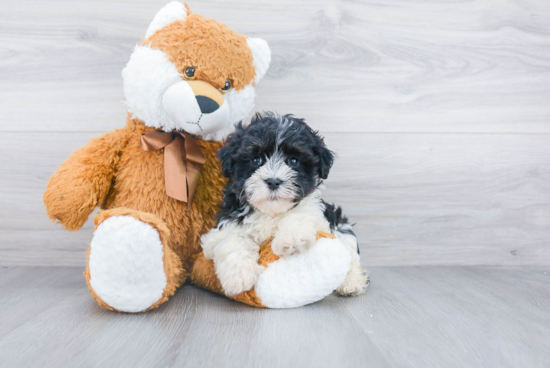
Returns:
point(285, 245)
point(356, 282)
point(237, 277)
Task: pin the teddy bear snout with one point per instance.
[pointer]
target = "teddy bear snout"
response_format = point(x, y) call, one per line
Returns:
point(206, 104)
point(208, 97)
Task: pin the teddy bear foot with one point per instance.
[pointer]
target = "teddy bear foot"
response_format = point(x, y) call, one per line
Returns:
point(304, 278)
point(129, 267)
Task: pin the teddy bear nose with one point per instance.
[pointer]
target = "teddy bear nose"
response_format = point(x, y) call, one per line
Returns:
point(206, 104)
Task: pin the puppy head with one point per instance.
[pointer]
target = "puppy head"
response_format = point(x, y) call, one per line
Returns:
point(193, 74)
point(274, 162)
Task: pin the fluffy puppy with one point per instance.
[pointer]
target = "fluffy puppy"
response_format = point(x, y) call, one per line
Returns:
point(275, 168)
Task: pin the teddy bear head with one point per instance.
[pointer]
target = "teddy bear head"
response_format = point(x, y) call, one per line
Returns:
point(193, 74)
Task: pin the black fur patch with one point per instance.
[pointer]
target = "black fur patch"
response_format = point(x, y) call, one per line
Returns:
point(336, 219)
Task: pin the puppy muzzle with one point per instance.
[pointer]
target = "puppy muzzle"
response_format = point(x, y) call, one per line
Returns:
point(273, 183)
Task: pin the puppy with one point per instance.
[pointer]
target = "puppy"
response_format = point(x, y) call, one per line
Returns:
point(275, 167)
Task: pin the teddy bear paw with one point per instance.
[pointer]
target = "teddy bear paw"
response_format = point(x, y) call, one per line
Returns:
point(306, 277)
point(126, 264)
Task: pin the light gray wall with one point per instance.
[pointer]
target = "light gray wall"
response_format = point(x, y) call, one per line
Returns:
point(439, 111)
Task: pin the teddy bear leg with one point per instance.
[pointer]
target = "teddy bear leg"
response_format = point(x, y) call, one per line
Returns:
point(130, 267)
point(304, 278)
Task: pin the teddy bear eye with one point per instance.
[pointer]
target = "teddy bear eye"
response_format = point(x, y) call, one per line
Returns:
point(190, 72)
point(227, 86)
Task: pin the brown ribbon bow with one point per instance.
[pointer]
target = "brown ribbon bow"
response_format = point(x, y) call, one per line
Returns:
point(183, 159)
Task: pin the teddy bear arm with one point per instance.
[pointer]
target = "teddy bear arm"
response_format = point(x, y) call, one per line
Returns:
point(282, 284)
point(83, 181)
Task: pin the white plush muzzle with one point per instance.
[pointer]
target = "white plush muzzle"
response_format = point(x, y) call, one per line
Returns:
point(157, 95)
point(181, 106)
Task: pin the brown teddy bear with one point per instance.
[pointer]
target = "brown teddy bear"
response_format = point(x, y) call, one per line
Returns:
point(158, 180)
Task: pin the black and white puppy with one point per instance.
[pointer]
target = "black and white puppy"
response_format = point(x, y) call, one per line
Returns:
point(275, 167)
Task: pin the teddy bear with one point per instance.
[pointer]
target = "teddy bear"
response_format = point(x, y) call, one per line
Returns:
point(157, 180)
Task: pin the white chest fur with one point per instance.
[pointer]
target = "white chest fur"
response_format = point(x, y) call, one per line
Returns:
point(309, 212)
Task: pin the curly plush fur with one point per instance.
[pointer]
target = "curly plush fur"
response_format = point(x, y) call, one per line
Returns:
point(114, 172)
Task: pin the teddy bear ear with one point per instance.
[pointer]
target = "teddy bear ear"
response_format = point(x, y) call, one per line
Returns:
point(170, 13)
point(261, 53)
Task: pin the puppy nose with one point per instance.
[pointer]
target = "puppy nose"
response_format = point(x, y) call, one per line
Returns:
point(273, 183)
point(206, 104)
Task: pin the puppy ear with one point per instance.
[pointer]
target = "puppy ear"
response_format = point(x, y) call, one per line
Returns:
point(325, 163)
point(170, 13)
point(261, 55)
point(326, 157)
point(226, 153)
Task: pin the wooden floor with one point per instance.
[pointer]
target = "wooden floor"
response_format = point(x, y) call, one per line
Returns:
point(411, 317)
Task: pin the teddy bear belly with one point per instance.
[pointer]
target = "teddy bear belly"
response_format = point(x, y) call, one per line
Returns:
point(139, 185)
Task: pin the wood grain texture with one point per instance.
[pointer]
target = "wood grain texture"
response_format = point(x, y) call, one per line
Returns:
point(411, 317)
point(439, 111)
point(415, 198)
point(445, 198)
point(392, 66)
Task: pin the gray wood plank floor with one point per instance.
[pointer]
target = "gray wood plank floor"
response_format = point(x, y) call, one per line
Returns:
point(411, 317)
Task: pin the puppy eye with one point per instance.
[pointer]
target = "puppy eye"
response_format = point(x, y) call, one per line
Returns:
point(227, 86)
point(258, 161)
point(293, 162)
point(190, 72)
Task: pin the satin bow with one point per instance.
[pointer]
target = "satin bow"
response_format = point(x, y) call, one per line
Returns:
point(183, 159)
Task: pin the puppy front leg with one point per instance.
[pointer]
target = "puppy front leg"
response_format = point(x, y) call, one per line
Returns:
point(296, 233)
point(235, 258)
point(287, 242)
